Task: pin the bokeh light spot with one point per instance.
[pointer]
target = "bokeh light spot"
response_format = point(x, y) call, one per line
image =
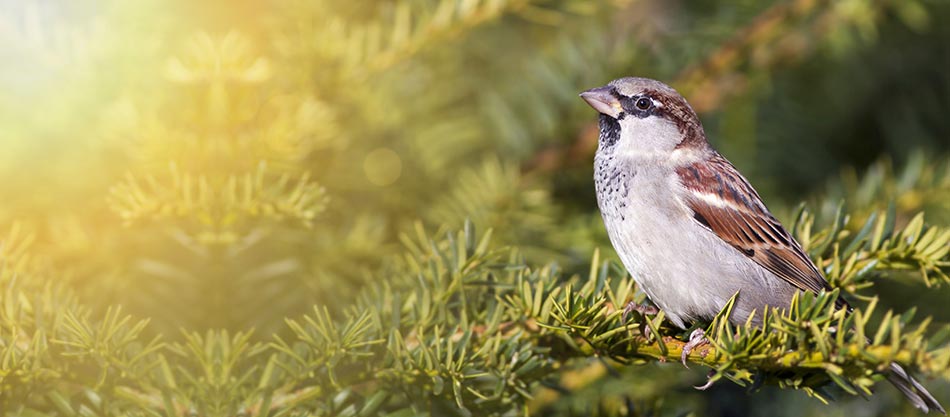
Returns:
point(382, 166)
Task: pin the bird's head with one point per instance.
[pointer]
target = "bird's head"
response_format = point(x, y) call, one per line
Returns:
point(640, 115)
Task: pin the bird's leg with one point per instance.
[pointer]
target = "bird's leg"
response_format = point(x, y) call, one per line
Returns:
point(696, 338)
point(644, 309)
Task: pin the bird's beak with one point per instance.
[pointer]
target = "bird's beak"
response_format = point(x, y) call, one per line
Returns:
point(603, 101)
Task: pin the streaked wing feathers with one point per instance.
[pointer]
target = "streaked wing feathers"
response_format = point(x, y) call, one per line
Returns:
point(723, 201)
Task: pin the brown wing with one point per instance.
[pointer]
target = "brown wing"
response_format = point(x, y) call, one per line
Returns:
point(724, 202)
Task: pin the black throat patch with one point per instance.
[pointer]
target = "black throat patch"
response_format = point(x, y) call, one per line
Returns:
point(609, 131)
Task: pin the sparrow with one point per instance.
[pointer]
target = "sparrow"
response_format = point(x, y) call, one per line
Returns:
point(688, 226)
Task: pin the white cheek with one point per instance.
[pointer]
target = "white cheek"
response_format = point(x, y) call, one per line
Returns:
point(648, 136)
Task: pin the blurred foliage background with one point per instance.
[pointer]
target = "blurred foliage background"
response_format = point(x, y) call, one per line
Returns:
point(224, 165)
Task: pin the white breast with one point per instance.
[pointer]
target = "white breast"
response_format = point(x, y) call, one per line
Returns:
point(683, 267)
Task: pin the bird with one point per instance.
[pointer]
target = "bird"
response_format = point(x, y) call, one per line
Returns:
point(688, 227)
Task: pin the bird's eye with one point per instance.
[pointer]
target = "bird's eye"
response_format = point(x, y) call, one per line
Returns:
point(644, 103)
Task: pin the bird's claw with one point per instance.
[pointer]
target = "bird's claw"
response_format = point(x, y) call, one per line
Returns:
point(709, 381)
point(696, 338)
point(640, 308)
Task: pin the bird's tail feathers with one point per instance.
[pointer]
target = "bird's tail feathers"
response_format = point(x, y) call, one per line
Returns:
point(913, 390)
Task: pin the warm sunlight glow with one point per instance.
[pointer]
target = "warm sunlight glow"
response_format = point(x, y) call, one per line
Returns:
point(402, 208)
